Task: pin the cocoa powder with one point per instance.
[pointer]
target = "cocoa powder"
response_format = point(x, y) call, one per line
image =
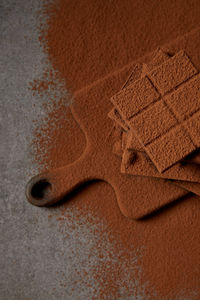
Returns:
point(84, 41)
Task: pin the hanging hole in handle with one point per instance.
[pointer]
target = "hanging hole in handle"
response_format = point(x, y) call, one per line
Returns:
point(41, 189)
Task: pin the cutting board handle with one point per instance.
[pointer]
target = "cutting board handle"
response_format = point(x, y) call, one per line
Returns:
point(50, 187)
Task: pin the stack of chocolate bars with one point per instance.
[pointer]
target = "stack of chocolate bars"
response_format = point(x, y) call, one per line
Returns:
point(156, 119)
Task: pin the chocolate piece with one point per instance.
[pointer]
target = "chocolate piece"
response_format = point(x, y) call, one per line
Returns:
point(185, 101)
point(172, 73)
point(170, 148)
point(114, 114)
point(132, 99)
point(153, 122)
point(142, 161)
point(193, 126)
point(156, 121)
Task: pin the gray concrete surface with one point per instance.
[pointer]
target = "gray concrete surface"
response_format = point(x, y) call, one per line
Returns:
point(37, 262)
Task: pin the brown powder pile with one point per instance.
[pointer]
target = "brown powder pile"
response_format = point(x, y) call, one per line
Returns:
point(84, 41)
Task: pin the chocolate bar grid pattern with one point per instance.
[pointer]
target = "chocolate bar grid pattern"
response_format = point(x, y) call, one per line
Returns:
point(158, 58)
point(153, 106)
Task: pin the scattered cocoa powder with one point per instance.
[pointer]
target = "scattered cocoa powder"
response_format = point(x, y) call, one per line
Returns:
point(84, 41)
point(87, 39)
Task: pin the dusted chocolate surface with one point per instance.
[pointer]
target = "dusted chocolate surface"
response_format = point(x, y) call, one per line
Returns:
point(139, 163)
point(157, 124)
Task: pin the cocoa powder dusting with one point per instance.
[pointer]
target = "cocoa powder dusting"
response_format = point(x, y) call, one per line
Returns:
point(85, 40)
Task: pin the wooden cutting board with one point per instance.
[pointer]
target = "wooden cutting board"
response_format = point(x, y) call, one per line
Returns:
point(136, 196)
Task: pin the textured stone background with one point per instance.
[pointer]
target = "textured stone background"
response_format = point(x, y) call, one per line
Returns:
point(35, 260)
